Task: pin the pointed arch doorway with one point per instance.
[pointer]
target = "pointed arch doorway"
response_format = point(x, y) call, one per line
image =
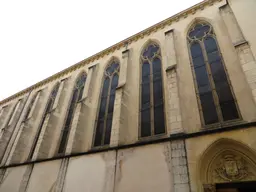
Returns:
point(228, 166)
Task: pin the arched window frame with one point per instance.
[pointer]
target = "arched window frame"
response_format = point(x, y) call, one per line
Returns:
point(52, 98)
point(113, 61)
point(74, 100)
point(211, 33)
point(142, 60)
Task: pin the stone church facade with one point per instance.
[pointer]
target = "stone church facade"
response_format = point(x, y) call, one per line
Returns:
point(172, 108)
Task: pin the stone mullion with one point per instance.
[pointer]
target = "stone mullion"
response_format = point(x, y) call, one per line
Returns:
point(211, 80)
point(106, 110)
point(152, 126)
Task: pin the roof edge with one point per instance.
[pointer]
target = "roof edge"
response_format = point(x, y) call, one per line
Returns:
point(117, 46)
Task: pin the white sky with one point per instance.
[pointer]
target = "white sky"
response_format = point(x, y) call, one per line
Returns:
point(41, 38)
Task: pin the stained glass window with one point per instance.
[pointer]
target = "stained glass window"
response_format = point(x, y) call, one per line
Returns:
point(213, 88)
point(152, 121)
point(106, 109)
point(76, 97)
point(47, 111)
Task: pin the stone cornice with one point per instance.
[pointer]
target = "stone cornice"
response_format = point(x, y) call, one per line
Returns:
point(117, 46)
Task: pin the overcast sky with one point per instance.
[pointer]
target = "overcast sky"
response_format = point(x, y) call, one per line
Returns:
point(40, 38)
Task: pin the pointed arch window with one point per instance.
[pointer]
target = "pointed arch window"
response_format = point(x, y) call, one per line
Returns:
point(213, 88)
point(152, 119)
point(47, 111)
point(76, 97)
point(105, 115)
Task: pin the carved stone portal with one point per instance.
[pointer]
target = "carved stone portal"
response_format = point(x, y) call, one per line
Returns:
point(230, 166)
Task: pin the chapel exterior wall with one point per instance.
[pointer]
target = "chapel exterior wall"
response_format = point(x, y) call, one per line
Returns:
point(170, 162)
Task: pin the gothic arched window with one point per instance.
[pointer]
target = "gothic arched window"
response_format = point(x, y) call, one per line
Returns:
point(76, 97)
point(52, 98)
point(152, 120)
point(47, 111)
point(214, 91)
point(105, 115)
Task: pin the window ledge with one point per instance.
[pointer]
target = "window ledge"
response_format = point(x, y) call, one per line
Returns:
point(171, 67)
point(121, 85)
point(97, 148)
point(224, 124)
point(152, 138)
point(239, 43)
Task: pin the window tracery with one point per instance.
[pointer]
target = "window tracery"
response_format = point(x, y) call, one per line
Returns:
point(213, 88)
point(152, 120)
point(105, 114)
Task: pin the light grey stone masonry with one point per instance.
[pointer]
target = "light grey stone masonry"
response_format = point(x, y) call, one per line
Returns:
point(179, 166)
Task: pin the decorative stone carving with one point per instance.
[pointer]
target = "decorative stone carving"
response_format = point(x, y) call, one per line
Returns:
point(231, 167)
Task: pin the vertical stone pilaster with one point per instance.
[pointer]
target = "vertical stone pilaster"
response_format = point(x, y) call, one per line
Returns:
point(242, 47)
point(119, 104)
point(174, 115)
point(116, 121)
point(174, 122)
point(179, 166)
point(17, 105)
point(40, 140)
point(34, 104)
point(8, 157)
point(6, 118)
point(248, 63)
point(170, 53)
point(231, 23)
point(2, 173)
point(73, 129)
point(88, 82)
point(61, 175)
point(123, 68)
point(25, 179)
